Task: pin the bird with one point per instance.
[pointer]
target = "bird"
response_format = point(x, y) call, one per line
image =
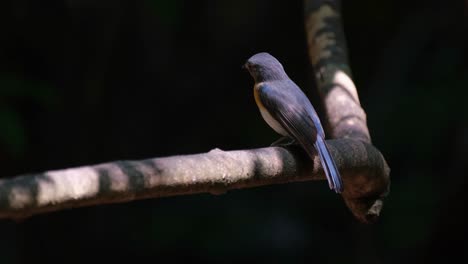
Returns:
point(288, 111)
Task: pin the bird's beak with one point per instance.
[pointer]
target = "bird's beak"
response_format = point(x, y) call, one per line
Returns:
point(245, 66)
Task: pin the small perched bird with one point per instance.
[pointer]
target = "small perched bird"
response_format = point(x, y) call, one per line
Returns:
point(289, 112)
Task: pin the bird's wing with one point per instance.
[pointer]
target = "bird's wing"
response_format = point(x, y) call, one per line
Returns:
point(285, 107)
point(296, 115)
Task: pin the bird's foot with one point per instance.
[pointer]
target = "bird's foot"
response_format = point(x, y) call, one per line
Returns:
point(283, 142)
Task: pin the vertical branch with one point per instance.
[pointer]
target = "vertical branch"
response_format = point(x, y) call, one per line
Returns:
point(328, 54)
point(363, 193)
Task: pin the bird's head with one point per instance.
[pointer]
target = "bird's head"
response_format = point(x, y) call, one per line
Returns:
point(264, 67)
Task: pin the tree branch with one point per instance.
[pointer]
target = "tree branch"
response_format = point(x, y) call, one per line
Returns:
point(215, 172)
point(364, 170)
point(346, 118)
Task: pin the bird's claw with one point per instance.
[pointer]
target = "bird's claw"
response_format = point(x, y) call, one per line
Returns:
point(283, 142)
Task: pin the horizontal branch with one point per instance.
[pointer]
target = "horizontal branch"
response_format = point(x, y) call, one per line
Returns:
point(364, 170)
point(214, 172)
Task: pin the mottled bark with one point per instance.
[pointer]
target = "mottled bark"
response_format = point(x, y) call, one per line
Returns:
point(345, 116)
point(364, 170)
point(214, 172)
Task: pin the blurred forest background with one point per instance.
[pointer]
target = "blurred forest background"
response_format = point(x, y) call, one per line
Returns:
point(84, 82)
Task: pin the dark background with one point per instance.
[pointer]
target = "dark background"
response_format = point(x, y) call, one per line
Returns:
point(84, 82)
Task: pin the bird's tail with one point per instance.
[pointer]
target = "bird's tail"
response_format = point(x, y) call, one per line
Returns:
point(329, 166)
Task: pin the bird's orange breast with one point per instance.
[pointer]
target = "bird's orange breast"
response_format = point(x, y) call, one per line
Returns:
point(257, 97)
